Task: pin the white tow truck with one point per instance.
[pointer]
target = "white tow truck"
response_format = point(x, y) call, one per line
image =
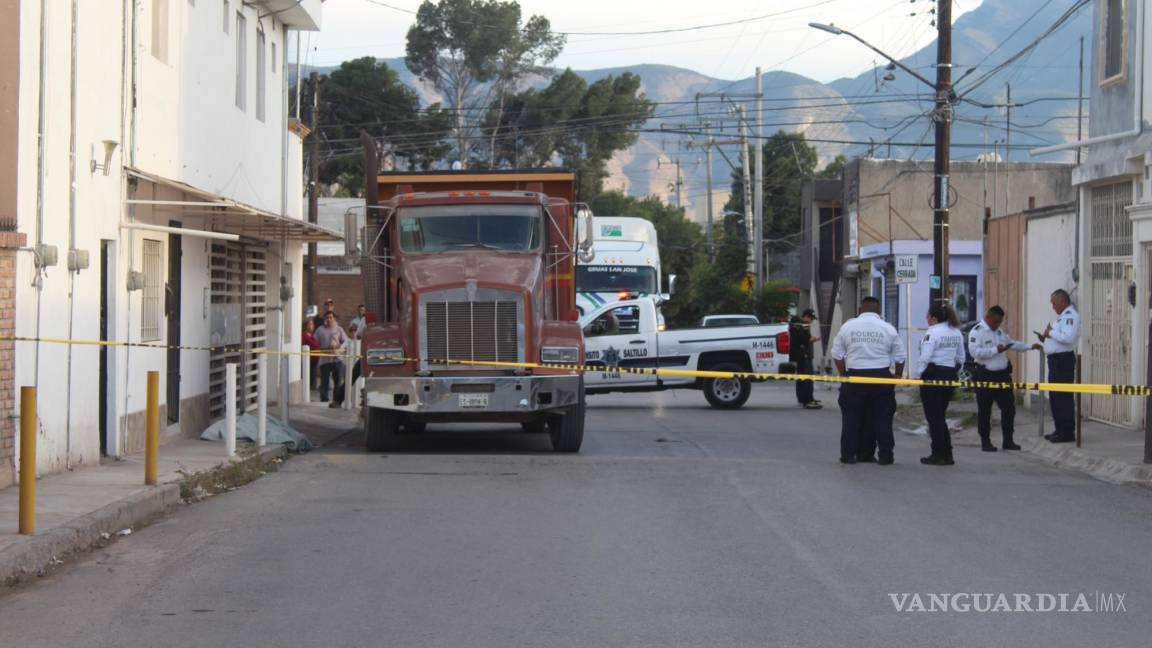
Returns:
point(630, 334)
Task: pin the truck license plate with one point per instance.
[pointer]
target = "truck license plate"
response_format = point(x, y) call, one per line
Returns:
point(473, 401)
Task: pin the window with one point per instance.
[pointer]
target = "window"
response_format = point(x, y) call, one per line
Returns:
point(1111, 228)
point(241, 62)
point(227, 15)
point(1114, 39)
point(261, 74)
point(470, 227)
point(153, 293)
point(160, 30)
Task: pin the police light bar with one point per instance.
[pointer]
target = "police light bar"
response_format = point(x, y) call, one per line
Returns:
point(624, 294)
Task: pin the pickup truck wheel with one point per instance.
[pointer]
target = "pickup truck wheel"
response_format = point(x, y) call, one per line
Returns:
point(415, 427)
point(727, 393)
point(567, 429)
point(380, 428)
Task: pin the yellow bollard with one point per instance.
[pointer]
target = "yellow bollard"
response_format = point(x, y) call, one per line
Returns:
point(152, 429)
point(27, 460)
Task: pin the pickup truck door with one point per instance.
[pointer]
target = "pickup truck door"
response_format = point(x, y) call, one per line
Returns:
point(620, 336)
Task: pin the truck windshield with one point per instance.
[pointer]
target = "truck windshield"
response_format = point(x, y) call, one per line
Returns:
point(440, 228)
point(607, 278)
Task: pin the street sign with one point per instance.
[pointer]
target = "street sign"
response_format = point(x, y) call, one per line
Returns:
point(906, 269)
point(934, 282)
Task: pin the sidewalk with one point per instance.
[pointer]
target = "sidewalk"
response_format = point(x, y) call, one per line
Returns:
point(1109, 453)
point(78, 510)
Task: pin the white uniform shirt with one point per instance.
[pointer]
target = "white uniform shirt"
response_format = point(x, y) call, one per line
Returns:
point(982, 343)
point(359, 322)
point(868, 342)
point(1065, 333)
point(942, 346)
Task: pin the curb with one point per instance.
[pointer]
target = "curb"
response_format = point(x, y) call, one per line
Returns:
point(33, 555)
point(1068, 456)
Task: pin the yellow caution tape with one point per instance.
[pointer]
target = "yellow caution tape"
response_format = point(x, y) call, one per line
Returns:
point(1072, 388)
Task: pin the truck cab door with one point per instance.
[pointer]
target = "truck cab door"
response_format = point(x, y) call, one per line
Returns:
point(620, 336)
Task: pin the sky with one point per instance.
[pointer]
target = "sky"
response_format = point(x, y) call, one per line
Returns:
point(781, 41)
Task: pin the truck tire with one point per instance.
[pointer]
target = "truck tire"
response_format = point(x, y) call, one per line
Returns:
point(567, 429)
point(414, 427)
point(534, 427)
point(727, 393)
point(380, 428)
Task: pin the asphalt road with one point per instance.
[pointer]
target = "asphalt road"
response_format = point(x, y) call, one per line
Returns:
point(676, 526)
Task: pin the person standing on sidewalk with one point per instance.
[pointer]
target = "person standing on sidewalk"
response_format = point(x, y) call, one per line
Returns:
point(867, 346)
point(1058, 342)
point(308, 338)
point(989, 345)
point(332, 339)
point(800, 343)
point(941, 356)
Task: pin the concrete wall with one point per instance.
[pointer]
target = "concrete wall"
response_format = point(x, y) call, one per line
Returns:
point(1049, 252)
point(874, 187)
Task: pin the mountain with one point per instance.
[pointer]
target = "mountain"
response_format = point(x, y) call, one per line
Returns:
point(860, 109)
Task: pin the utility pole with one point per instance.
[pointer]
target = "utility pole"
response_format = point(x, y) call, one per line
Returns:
point(758, 186)
point(941, 167)
point(1080, 110)
point(708, 170)
point(749, 220)
point(313, 181)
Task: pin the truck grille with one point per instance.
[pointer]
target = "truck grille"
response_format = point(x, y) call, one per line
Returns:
point(477, 331)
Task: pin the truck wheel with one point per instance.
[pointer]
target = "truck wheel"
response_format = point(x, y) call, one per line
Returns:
point(380, 428)
point(534, 427)
point(567, 429)
point(414, 427)
point(727, 393)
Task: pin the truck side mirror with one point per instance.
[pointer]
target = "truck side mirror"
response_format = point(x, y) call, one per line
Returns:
point(671, 285)
point(585, 251)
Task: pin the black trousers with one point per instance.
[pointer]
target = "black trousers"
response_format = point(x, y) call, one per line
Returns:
point(866, 413)
point(1005, 399)
point(1062, 369)
point(935, 401)
point(333, 371)
point(804, 388)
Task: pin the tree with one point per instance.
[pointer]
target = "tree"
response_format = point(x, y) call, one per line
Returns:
point(365, 94)
point(457, 45)
point(579, 124)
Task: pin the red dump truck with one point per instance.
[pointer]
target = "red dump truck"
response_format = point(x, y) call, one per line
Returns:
point(463, 269)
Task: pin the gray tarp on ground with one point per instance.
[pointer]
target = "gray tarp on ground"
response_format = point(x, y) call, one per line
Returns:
point(246, 429)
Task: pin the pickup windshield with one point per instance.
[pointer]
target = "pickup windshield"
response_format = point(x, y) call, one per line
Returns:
point(612, 278)
point(439, 228)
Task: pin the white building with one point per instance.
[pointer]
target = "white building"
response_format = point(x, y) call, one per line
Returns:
point(1112, 261)
point(158, 159)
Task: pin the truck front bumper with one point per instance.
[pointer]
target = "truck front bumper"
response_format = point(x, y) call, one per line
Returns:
point(479, 395)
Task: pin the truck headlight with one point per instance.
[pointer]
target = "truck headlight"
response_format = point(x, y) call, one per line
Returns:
point(385, 356)
point(560, 355)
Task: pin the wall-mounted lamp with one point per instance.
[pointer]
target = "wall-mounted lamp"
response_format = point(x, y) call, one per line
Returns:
point(109, 149)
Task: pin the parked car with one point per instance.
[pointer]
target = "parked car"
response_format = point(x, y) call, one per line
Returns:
point(712, 321)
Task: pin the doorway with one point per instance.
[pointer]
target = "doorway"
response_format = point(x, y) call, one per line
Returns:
point(172, 313)
point(105, 332)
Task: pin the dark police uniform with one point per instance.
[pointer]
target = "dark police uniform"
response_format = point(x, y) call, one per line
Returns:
point(800, 354)
point(941, 354)
point(1060, 347)
point(983, 343)
point(869, 346)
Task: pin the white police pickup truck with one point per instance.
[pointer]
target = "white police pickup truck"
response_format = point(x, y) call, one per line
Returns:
point(630, 334)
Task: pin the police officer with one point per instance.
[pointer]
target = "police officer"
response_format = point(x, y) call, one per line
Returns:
point(1059, 344)
point(941, 354)
point(988, 344)
point(867, 346)
point(801, 341)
